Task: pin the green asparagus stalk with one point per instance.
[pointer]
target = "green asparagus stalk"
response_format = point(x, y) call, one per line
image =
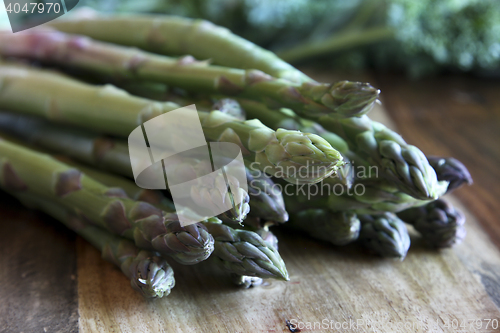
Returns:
point(373, 197)
point(103, 152)
point(112, 155)
point(298, 157)
point(399, 162)
point(134, 192)
point(338, 228)
point(451, 170)
point(366, 143)
point(26, 171)
point(149, 274)
point(337, 43)
point(276, 120)
point(253, 248)
point(59, 98)
point(439, 223)
point(292, 155)
point(268, 237)
point(172, 35)
point(365, 197)
point(252, 281)
point(283, 120)
point(385, 234)
point(155, 198)
point(338, 100)
point(266, 198)
point(245, 253)
point(162, 93)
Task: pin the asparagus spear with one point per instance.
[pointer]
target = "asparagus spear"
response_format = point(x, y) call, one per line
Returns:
point(282, 120)
point(384, 234)
point(252, 281)
point(399, 162)
point(268, 237)
point(245, 253)
point(338, 100)
point(451, 170)
point(292, 155)
point(267, 200)
point(277, 120)
point(338, 228)
point(87, 147)
point(109, 208)
point(441, 224)
point(366, 143)
point(365, 197)
point(172, 35)
point(112, 155)
point(258, 256)
point(299, 157)
point(149, 274)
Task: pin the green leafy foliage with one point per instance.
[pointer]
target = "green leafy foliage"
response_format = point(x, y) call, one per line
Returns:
point(428, 34)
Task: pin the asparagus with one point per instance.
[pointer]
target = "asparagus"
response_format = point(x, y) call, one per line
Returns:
point(149, 274)
point(111, 111)
point(338, 100)
point(366, 143)
point(280, 119)
point(112, 155)
point(384, 234)
point(373, 197)
point(268, 237)
point(292, 155)
point(440, 224)
point(399, 162)
point(338, 228)
point(252, 281)
point(283, 120)
point(365, 197)
point(245, 253)
point(267, 200)
point(59, 98)
point(258, 255)
point(87, 147)
point(451, 170)
point(172, 35)
point(109, 208)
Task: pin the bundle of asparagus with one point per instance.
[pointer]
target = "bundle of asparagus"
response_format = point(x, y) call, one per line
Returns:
point(301, 137)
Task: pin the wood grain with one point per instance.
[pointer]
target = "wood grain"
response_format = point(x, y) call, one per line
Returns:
point(38, 272)
point(330, 283)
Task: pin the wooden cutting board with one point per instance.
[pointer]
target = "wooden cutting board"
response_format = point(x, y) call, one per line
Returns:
point(51, 283)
